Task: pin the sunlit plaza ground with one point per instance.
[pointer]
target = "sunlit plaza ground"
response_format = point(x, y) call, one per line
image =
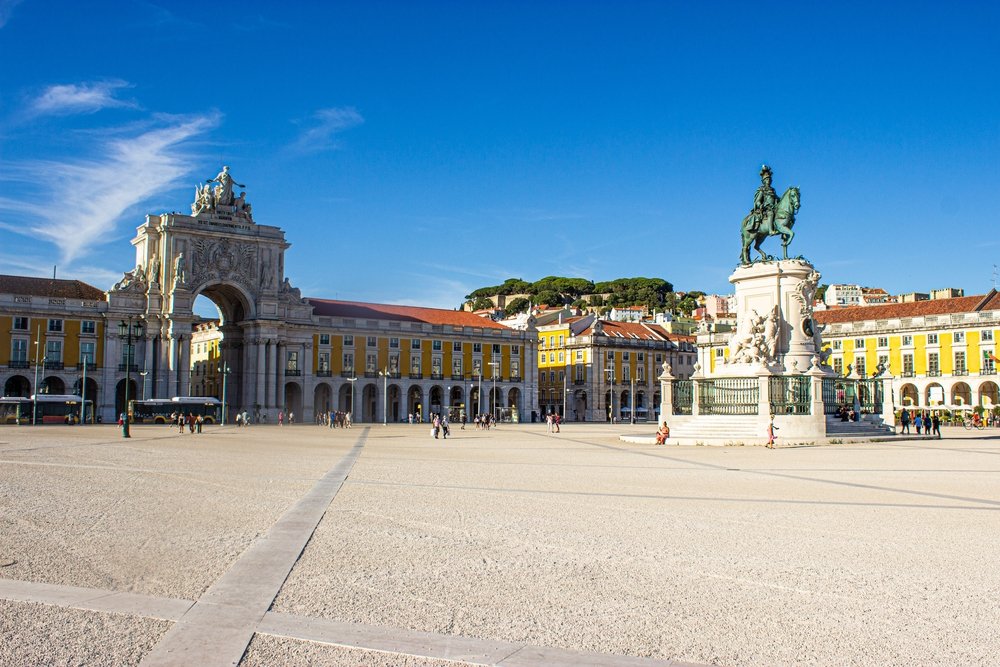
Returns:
point(514, 546)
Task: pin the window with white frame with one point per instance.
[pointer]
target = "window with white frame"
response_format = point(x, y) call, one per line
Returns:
point(324, 339)
point(456, 366)
point(55, 326)
point(515, 349)
point(959, 336)
point(579, 355)
point(436, 346)
point(515, 368)
point(415, 364)
point(988, 363)
point(496, 348)
point(394, 343)
point(348, 341)
point(87, 352)
point(436, 365)
point(838, 366)
point(371, 363)
point(456, 346)
point(88, 327)
point(393, 363)
point(292, 360)
point(986, 335)
point(21, 324)
point(837, 344)
point(907, 365)
point(907, 340)
point(477, 348)
point(883, 341)
point(562, 356)
point(933, 363)
point(415, 344)
point(859, 343)
point(477, 367)
point(960, 363)
point(859, 366)
point(323, 362)
point(372, 341)
point(53, 350)
point(19, 350)
point(932, 339)
point(348, 366)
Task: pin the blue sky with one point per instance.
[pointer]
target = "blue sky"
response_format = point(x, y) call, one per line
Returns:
point(413, 151)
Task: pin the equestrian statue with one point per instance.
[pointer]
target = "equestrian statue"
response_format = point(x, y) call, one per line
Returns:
point(770, 217)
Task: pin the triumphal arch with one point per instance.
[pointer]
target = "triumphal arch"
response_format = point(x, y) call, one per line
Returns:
point(218, 251)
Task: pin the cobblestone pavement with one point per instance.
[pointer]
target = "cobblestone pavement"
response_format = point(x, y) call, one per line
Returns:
point(379, 545)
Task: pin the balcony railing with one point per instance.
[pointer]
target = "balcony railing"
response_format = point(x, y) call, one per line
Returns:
point(437, 376)
point(324, 373)
point(961, 371)
point(908, 374)
point(134, 368)
point(347, 374)
point(579, 383)
point(457, 377)
point(395, 375)
point(416, 376)
point(371, 374)
point(514, 378)
point(988, 371)
point(54, 365)
point(91, 366)
point(934, 374)
point(293, 372)
point(18, 364)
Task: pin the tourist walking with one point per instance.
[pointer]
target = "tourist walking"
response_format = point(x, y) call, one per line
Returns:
point(904, 421)
point(281, 418)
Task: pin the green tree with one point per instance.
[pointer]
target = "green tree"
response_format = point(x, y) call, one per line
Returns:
point(481, 303)
point(518, 305)
point(549, 298)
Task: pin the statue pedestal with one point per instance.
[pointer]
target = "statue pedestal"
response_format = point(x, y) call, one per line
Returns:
point(775, 332)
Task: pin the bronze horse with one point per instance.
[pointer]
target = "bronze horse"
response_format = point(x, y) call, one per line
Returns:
point(784, 218)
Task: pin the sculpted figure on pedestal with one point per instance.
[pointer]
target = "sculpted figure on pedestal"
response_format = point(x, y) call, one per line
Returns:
point(770, 216)
point(224, 190)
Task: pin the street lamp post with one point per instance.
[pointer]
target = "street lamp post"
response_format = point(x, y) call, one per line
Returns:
point(34, 394)
point(225, 370)
point(143, 373)
point(611, 381)
point(631, 402)
point(352, 380)
point(128, 332)
point(385, 395)
point(494, 365)
point(83, 393)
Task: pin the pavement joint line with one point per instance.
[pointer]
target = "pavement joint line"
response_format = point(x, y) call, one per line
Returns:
point(650, 496)
point(217, 629)
point(429, 645)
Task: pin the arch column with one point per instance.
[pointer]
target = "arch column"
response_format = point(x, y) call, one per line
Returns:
point(258, 373)
point(271, 379)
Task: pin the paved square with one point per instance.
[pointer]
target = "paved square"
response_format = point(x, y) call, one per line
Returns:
point(382, 546)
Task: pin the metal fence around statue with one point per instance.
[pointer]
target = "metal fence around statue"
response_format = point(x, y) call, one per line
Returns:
point(729, 396)
point(790, 395)
point(683, 397)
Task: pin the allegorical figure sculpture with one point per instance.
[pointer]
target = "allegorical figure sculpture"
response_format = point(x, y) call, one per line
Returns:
point(179, 277)
point(770, 216)
point(224, 190)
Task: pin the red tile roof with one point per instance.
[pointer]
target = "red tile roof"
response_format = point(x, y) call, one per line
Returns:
point(60, 289)
point(382, 311)
point(962, 304)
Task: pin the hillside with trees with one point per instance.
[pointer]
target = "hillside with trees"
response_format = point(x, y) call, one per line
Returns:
point(654, 293)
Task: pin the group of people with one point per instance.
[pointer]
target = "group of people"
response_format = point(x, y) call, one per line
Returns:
point(335, 419)
point(281, 417)
point(924, 422)
point(193, 423)
point(440, 426)
point(552, 422)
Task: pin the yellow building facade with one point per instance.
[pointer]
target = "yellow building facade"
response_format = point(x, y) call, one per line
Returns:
point(940, 353)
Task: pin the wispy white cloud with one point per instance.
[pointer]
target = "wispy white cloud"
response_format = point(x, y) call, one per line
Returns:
point(76, 203)
point(324, 126)
point(73, 98)
point(6, 9)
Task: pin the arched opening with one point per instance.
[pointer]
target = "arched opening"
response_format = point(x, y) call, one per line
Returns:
point(656, 406)
point(474, 408)
point(909, 396)
point(934, 395)
point(217, 352)
point(322, 399)
point(607, 406)
point(495, 402)
point(53, 385)
point(436, 399)
point(988, 394)
point(961, 395)
point(414, 403)
point(293, 401)
point(345, 399)
point(456, 403)
point(17, 386)
point(368, 403)
point(394, 394)
point(514, 404)
point(120, 395)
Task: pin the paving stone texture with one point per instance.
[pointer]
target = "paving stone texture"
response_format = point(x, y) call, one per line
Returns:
point(382, 546)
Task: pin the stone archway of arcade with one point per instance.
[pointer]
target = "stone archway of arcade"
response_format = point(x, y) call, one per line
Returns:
point(958, 394)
